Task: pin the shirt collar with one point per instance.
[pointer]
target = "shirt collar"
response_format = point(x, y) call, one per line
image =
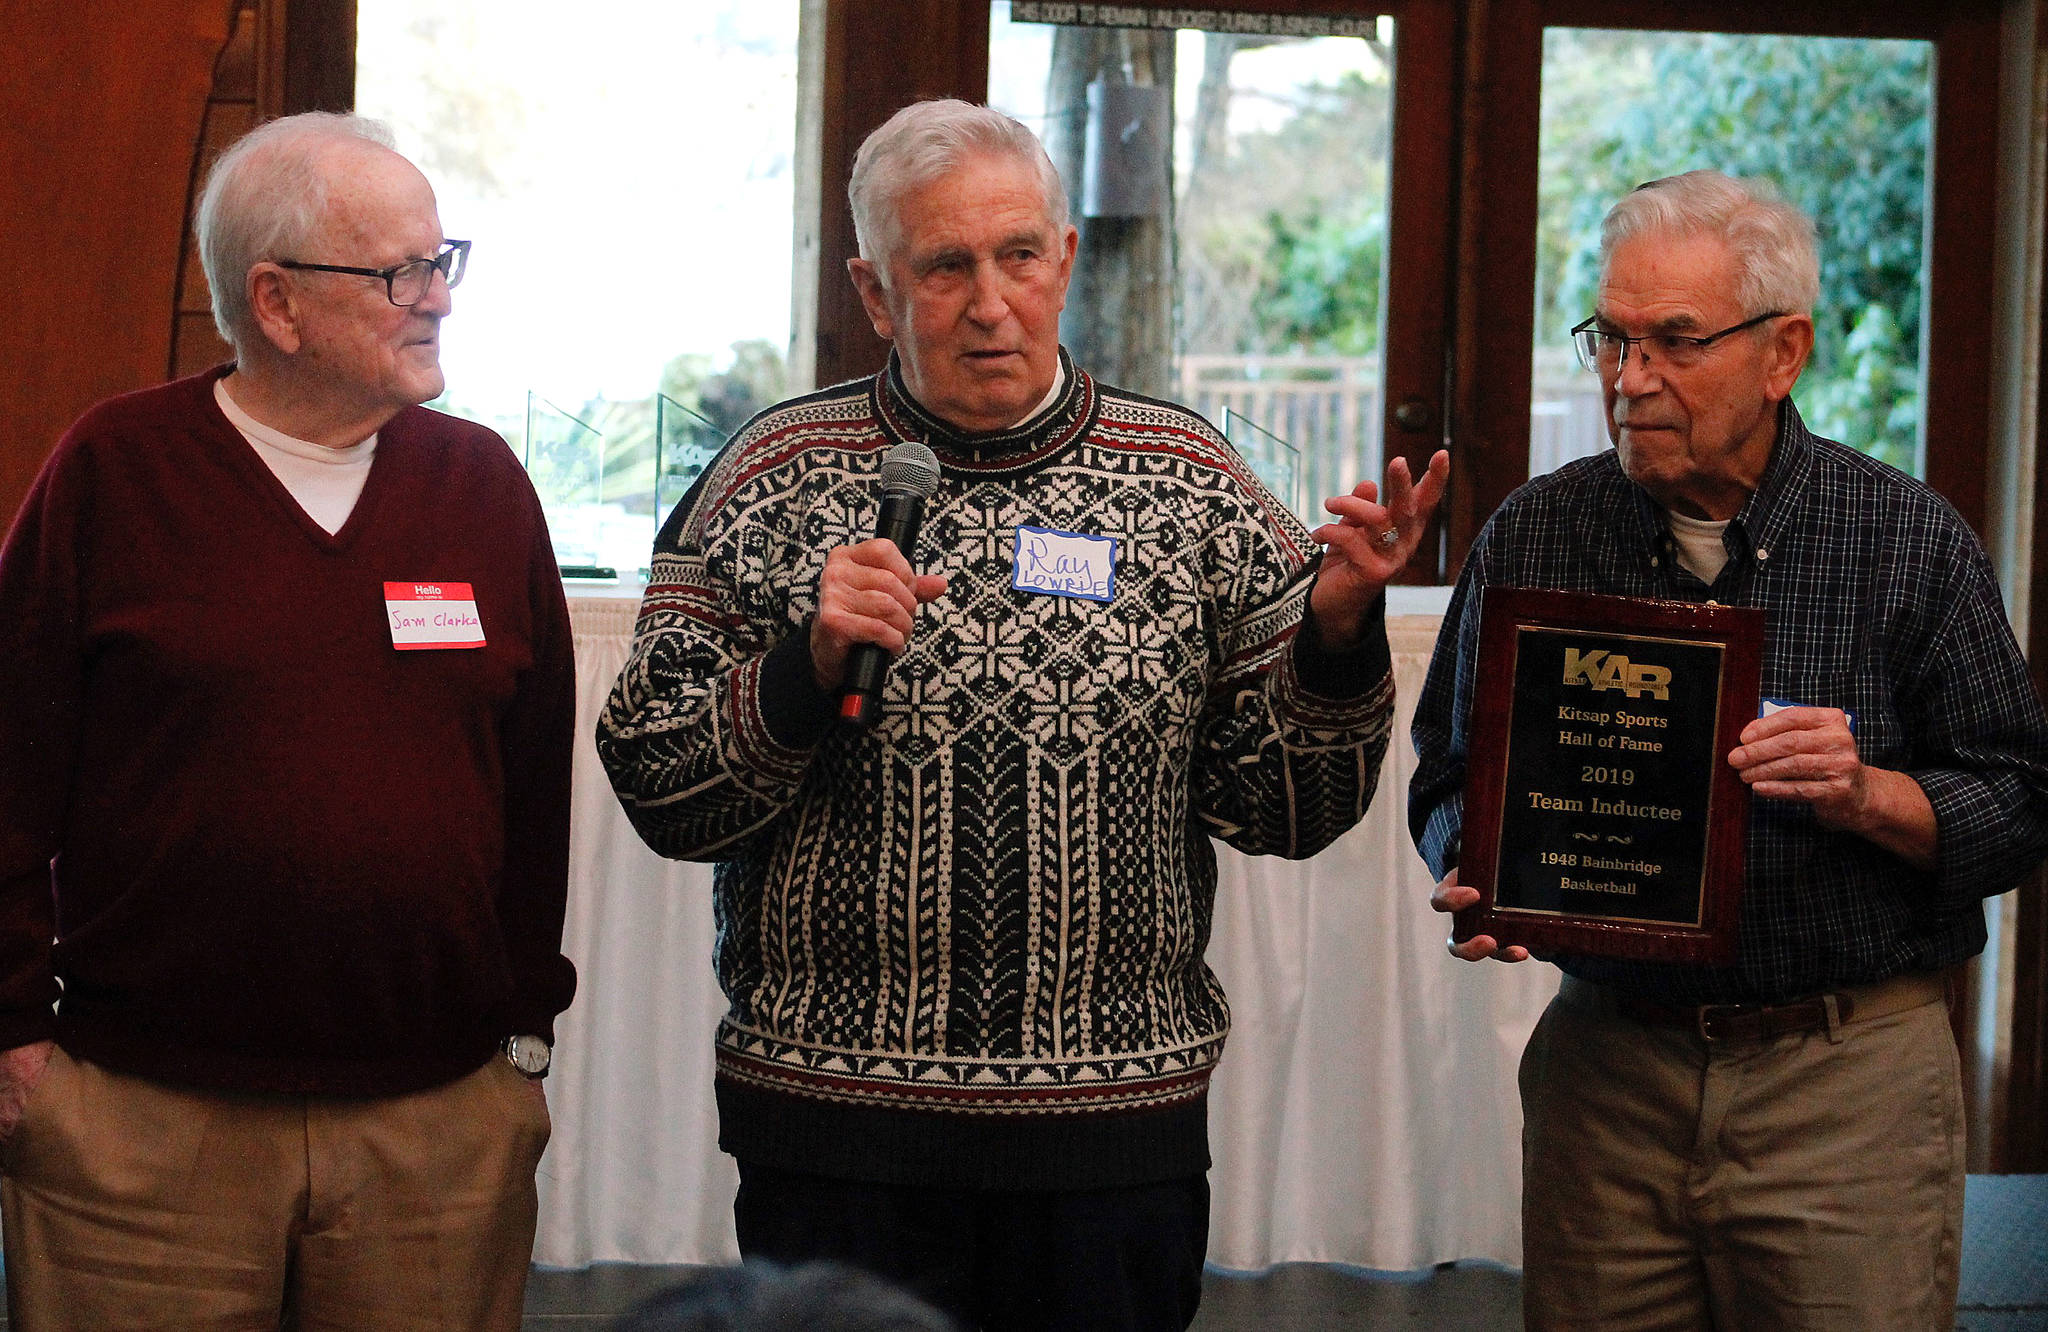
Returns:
point(1769, 512)
point(1062, 417)
point(1052, 395)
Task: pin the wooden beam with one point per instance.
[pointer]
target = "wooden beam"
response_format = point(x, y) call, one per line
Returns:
point(880, 56)
point(1422, 218)
point(1496, 265)
point(1960, 259)
point(317, 63)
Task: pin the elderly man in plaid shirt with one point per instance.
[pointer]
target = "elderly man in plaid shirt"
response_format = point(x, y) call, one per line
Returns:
point(1777, 1142)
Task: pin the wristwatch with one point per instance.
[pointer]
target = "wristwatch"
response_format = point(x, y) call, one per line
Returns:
point(529, 1054)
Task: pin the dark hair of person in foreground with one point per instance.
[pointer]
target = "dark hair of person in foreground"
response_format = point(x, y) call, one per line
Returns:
point(768, 1297)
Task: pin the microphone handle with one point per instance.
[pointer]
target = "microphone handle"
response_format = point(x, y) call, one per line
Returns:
point(867, 664)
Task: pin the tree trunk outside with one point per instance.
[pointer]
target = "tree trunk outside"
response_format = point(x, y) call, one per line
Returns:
point(1118, 322)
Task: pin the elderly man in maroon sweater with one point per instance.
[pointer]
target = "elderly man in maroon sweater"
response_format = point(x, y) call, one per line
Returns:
point(286, 701)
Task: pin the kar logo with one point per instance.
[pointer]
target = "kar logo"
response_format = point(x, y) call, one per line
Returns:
point(1602, 670)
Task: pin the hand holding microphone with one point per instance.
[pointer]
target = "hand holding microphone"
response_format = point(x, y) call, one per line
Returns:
point(868, 594)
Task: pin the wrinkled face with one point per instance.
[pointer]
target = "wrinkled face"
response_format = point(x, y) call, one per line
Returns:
point(1698, 438)
point(971, 293)
point(354, 343)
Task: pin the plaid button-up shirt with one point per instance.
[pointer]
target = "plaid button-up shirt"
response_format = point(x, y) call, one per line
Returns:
point(1879, 600)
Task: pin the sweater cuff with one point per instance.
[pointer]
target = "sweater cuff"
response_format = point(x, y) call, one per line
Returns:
point(795, 711)
point(539, 995)
point(1352, 673)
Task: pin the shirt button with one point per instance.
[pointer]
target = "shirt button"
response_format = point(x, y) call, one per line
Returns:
point(1762, 554)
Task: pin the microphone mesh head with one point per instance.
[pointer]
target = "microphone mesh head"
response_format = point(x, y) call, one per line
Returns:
point(911, 467)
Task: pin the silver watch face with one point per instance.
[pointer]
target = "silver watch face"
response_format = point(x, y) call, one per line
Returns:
point(529, 1054)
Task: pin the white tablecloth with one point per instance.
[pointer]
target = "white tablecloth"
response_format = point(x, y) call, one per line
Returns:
point(1364, 1113)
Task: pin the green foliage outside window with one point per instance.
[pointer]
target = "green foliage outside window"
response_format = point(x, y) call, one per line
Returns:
point(1282, 235)
point(1323, 293)
point(1840, 126)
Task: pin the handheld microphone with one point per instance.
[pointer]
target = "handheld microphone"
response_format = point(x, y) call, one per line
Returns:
point(910, 473)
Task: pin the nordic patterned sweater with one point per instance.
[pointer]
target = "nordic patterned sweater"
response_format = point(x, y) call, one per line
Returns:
point(963, 949)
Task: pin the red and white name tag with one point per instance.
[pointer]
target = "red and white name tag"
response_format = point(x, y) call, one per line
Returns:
point(432, 615)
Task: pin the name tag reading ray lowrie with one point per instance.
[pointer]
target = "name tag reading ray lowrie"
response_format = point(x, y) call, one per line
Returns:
point(1064, 564)
point(432, 616)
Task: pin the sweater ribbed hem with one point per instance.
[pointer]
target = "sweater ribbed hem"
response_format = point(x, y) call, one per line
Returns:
point(1021, 1153)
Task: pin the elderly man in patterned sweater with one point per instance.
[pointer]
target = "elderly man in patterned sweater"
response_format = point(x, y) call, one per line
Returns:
point(971, 1030)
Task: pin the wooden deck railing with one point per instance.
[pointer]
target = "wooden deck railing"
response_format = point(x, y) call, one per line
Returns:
point(1328, 409)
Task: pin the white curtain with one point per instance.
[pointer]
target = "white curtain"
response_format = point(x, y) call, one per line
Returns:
point(1365, 1111)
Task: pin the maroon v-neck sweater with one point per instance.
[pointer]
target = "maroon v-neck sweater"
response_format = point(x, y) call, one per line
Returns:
point(276, 853)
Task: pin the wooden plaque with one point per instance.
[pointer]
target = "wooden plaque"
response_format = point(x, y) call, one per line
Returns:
point(1601, 814)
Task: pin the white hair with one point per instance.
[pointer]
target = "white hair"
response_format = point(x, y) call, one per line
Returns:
point(1776, 262)
point(923, 142)
point(265, 197)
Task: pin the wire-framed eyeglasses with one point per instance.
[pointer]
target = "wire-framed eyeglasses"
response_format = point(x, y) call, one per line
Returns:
point(1603, 350)
point(407, 283)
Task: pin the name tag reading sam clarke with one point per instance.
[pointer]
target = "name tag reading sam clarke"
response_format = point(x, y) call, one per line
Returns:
point(1601, 814)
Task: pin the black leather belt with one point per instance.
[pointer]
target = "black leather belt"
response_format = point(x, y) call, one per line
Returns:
point(1763, 1022)
point(1737, 1022)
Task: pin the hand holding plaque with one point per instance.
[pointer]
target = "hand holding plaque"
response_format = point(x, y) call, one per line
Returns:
point(1601, 814)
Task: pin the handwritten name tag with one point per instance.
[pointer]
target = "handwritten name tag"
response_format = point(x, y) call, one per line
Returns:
point(1064, 564)
point(432, 615)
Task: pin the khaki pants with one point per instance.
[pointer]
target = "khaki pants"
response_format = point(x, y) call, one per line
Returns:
point(1813, 1181)
point(130, 1204)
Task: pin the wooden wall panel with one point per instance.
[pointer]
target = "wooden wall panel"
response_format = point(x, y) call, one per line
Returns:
point(233, 108)
point(2024, 1146)
point(97, 123)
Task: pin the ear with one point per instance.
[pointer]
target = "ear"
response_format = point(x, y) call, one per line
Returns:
point(867, 280)
point(1790, 346)
point(275, 306)
point(1069, 246)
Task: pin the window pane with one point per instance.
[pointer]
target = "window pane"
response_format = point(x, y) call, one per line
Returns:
point(630, 284)
point(1840, 125)
point(1235, 264)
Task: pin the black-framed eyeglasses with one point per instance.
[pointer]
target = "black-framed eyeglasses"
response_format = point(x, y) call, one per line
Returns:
point(1603, 350)
point(407, 283)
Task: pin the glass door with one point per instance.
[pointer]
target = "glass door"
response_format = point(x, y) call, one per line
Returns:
point(1248, 247)
point(1839, 125)
point(629, 300)
point(1879, 119)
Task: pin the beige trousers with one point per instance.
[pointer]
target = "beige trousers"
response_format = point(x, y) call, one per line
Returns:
point(1811, 1182)
point(129, 1204)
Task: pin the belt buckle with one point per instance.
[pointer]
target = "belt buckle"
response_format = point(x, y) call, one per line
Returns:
point(1710, 1012)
